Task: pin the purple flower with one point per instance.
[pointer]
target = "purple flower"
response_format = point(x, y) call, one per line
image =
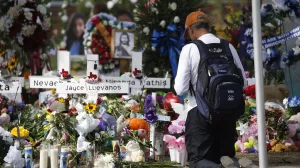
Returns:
point(11, 109)
point(126, 131)
point(150, 114)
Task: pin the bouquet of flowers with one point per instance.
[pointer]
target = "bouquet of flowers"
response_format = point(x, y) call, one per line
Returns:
point(292, 105)
point(26, 26)
point(276, 125)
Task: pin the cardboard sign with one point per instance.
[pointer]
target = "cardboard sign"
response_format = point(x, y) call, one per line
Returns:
point(10, 87)
point(85, 88)
point(159, 83)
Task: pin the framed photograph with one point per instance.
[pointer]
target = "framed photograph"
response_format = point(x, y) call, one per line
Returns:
point(122, 44)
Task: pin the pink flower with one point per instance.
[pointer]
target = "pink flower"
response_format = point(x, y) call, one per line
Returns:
point(180, 129)
point(181, 123)
point(172, 129)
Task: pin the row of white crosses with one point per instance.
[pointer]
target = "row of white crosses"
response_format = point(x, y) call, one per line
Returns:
point(119, 85)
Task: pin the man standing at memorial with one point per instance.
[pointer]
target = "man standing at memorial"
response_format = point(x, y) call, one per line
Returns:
point(208, 137)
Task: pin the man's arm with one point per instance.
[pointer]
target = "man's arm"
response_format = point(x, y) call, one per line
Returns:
point(238, 63)
point(182, 80)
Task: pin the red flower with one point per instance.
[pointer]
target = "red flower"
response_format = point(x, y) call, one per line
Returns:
point(250, 91)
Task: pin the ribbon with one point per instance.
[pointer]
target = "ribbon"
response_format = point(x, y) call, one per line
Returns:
point(35, 61)
point(102, 30)
point(169, 43)
point(172, 142)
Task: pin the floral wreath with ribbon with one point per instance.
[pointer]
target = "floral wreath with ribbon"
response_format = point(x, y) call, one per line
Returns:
point(26, 28)
point(98, 36)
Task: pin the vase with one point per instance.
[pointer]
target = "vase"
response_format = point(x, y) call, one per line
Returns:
point(181, 157)
point(172, 152)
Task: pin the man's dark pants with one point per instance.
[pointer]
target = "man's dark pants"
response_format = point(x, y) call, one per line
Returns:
point(206, 143)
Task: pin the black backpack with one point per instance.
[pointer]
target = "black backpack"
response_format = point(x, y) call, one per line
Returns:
point(219, 87)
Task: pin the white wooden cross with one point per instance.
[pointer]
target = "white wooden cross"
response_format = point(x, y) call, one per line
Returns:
point(79, 86)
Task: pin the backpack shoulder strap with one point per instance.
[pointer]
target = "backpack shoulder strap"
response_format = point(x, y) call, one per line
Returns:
point(237, 70)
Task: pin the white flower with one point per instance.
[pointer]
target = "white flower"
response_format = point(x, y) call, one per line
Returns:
point(14, 11)
point(46, 23)
point(119, 26)
point(176, 19)
point(153, 48)
point(162, 23)
point(64, 18)
point(28, 30)
point(111, 22)
point(89, 4)
point(125, 28)
point(21, 2)
point(248, 32)
point(28, 15)
point(243, 128)
point(64, 5)
point(137, 19)
point(269, 25)
point(146, 30)
point(280, 5)
point(110, 4)
point(20, 38)
point(112, 66)
point(296, 50)
point(133, 1)
point(63, 44)
point(106, 66)
point(42, 9)
point(2, 22)
point(63, 31)
point(134, 11)
point(154, 10)
point(156, 70)
point(173, 6)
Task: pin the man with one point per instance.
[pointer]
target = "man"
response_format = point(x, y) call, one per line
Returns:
point(123, 49)
point(206, 143)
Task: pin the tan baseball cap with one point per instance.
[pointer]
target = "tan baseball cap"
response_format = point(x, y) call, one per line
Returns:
point(193, 18)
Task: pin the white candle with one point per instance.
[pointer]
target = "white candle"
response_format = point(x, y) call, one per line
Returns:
point(43, 158)
point(54, 158)
point(64, 157)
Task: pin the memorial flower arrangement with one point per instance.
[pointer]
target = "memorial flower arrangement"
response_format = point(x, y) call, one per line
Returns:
point(161, 26)
point(292, 105)
point(98, 37)
point(26, 25)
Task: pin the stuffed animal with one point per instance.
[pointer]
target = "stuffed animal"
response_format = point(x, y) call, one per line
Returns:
point(133, 124)
point(134, 153)
point(294, 127)
point(4, 118)
point(276, 92)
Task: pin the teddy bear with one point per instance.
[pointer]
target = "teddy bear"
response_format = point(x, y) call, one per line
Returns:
point(134, 153)
point(137, 124)
point(276, 92)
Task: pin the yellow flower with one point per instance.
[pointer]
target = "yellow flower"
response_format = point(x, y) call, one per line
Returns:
point(49, 116)
point(22, 131)
point(46, 127)
point(53, 91)
point(90, 108)
point(62, 100)
point(12, 64)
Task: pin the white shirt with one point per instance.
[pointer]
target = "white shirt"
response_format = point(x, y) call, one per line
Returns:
point(188, 67)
